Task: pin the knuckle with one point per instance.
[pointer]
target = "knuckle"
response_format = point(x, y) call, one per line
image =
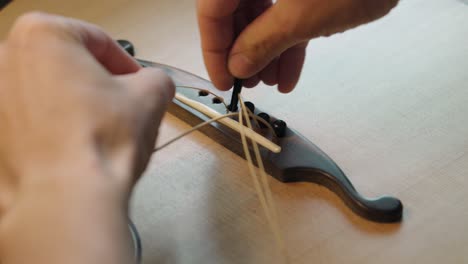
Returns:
point(30, 26)
point(161, 74)
point(155, 88)
point(32, 17)
point(293, 27)
point(32, 21)
point(166, 83)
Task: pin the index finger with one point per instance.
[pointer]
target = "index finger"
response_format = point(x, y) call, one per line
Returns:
point(106, 50)
point(38, 29)
point(216, 24)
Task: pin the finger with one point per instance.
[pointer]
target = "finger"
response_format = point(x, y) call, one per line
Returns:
point(290, 67)
point(276, 30)
point(248, 11)
point(257, 7)
point(152, 91)
point(263, 40)
point(241, 21)
point(55, 34)
point(331, 19)
point(106, 50)
point(245, 14)
point(251, 82)
point(376, 9)
point(269, 75)
point(216, 24)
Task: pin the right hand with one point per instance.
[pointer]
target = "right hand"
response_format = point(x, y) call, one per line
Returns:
point(273, 37)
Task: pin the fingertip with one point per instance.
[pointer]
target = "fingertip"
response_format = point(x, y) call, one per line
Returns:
point(270, 82)
point(285, 89)
point(153, 85)
point(259, 43)
point(269, 75)
point(241, 66)
point(287, 83)
point(291, 63)
point(251, 82)
point(165, 82)
point(223, 83)
point(215, 63)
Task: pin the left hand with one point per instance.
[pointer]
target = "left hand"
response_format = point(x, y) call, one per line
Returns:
point(78, 121)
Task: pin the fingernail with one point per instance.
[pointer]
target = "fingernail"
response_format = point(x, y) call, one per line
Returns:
point(240, 66)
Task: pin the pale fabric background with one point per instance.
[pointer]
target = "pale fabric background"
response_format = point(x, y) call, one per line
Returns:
point(388, 101)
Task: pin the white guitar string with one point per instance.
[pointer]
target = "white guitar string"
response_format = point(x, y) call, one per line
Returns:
point(260, 183)
point(263, 189)
point(195, 128)
point(256, 118)
point(230, 123)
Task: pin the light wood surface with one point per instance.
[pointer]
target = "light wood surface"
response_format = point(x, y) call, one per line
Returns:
point(388, 101)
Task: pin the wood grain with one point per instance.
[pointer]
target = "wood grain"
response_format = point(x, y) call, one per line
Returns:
point(388, 101)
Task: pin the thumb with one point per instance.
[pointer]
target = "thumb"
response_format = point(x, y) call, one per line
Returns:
point(262, 41)
point(151, 90)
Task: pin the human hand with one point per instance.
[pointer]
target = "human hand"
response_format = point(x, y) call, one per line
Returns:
point(78, 122)
point(272, 38)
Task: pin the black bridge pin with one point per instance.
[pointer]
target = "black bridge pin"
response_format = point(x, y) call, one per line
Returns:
point(280, 127)
point(265, 117)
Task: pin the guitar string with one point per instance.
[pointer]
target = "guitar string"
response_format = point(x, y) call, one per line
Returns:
point(264, 178)
point(263, 189)
point(261, 184)
point(197, 127)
